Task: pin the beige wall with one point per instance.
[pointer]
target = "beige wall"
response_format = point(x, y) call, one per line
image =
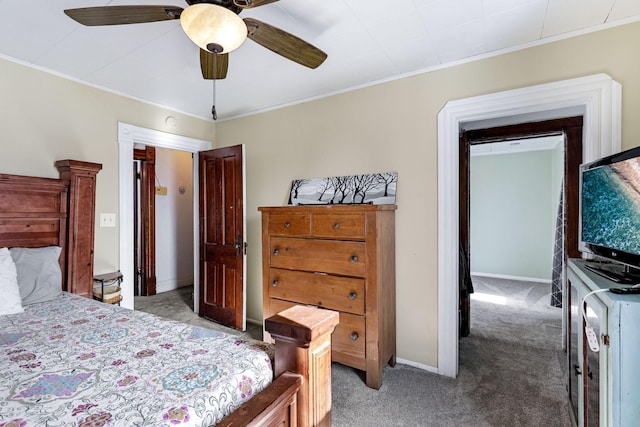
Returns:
point(392, 127)
point(44, 118)
point(388, 127)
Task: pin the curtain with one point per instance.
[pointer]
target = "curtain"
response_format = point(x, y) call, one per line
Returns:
point(557, 273)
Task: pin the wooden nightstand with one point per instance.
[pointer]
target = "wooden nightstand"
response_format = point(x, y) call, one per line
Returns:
point(106, 287)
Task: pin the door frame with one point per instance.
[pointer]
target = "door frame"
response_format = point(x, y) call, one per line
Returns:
point(570, 129)
point(145, 221)
point(597, 98)
point(128, 136)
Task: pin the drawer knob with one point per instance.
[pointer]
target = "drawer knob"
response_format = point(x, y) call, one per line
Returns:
point(336, 226)
point(354, 336)
point(353, 296)
point(276, 251)
point(287, 225)
point(274, 283)
point(354, 258)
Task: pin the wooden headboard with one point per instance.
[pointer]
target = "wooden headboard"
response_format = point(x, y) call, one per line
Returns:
point(36, 212)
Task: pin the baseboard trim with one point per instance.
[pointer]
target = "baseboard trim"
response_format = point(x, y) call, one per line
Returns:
point(508, 277)
point(173, 284)
point(254, 321)
point(427, 368)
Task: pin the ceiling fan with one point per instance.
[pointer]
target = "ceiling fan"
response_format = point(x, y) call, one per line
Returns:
point(214, 60)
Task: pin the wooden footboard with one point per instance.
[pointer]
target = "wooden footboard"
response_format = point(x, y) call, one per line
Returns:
point(301, 393)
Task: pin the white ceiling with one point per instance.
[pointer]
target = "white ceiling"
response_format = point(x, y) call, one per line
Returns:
point(367, 41)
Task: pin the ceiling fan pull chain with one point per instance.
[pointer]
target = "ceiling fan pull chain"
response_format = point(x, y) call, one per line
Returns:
point(213, 108)
point(214, 114)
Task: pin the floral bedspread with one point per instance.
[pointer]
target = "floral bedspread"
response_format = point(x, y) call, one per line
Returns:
point(78, 362)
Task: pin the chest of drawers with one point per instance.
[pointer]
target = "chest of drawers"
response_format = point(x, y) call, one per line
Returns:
point(339, 257)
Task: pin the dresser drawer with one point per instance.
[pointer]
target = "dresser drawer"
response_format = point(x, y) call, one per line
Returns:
point(349, 336)
point(332, 292)
point(289, 224)
point(277, 305)
point(339, 226)
point(324, 256)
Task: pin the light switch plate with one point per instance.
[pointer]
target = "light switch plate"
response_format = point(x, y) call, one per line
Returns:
point(107, 220)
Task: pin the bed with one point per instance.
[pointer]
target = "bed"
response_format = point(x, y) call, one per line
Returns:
point(66, 359)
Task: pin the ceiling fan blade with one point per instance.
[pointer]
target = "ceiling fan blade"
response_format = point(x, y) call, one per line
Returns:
point(248, 4)
point(284, 44)
point(213, 66)
point(116, 15)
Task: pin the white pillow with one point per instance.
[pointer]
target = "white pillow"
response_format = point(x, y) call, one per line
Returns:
point(10, 301)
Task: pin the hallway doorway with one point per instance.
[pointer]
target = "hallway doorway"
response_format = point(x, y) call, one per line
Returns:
point(597, 98)
point(534, 135)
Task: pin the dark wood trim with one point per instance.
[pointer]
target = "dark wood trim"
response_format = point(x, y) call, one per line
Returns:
point(147, 159)
point(139, 154)
point(572, 161)
point(137, 288)
point(464, 186)
point(522, 130)
point(464, 220)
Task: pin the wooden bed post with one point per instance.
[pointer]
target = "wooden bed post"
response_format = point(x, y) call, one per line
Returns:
point(81, 220)
point(303, 345)
point(300, 394)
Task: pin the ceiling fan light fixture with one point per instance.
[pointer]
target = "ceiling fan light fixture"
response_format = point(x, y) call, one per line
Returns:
point(213, 28)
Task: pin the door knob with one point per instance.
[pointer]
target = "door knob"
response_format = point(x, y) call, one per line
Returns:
point(240, 246)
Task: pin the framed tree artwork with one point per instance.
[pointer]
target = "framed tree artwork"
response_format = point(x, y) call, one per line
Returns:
point(376, 188)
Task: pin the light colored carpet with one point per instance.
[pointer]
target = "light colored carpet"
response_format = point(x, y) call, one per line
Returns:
point(511, 368)
point(511, 372)
point(178, 305)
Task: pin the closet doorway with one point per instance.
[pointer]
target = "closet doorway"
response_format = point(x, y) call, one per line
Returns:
point(570, 128)
point(163, 220)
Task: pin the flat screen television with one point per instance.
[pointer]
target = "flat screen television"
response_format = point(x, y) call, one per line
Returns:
point(610, 215)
